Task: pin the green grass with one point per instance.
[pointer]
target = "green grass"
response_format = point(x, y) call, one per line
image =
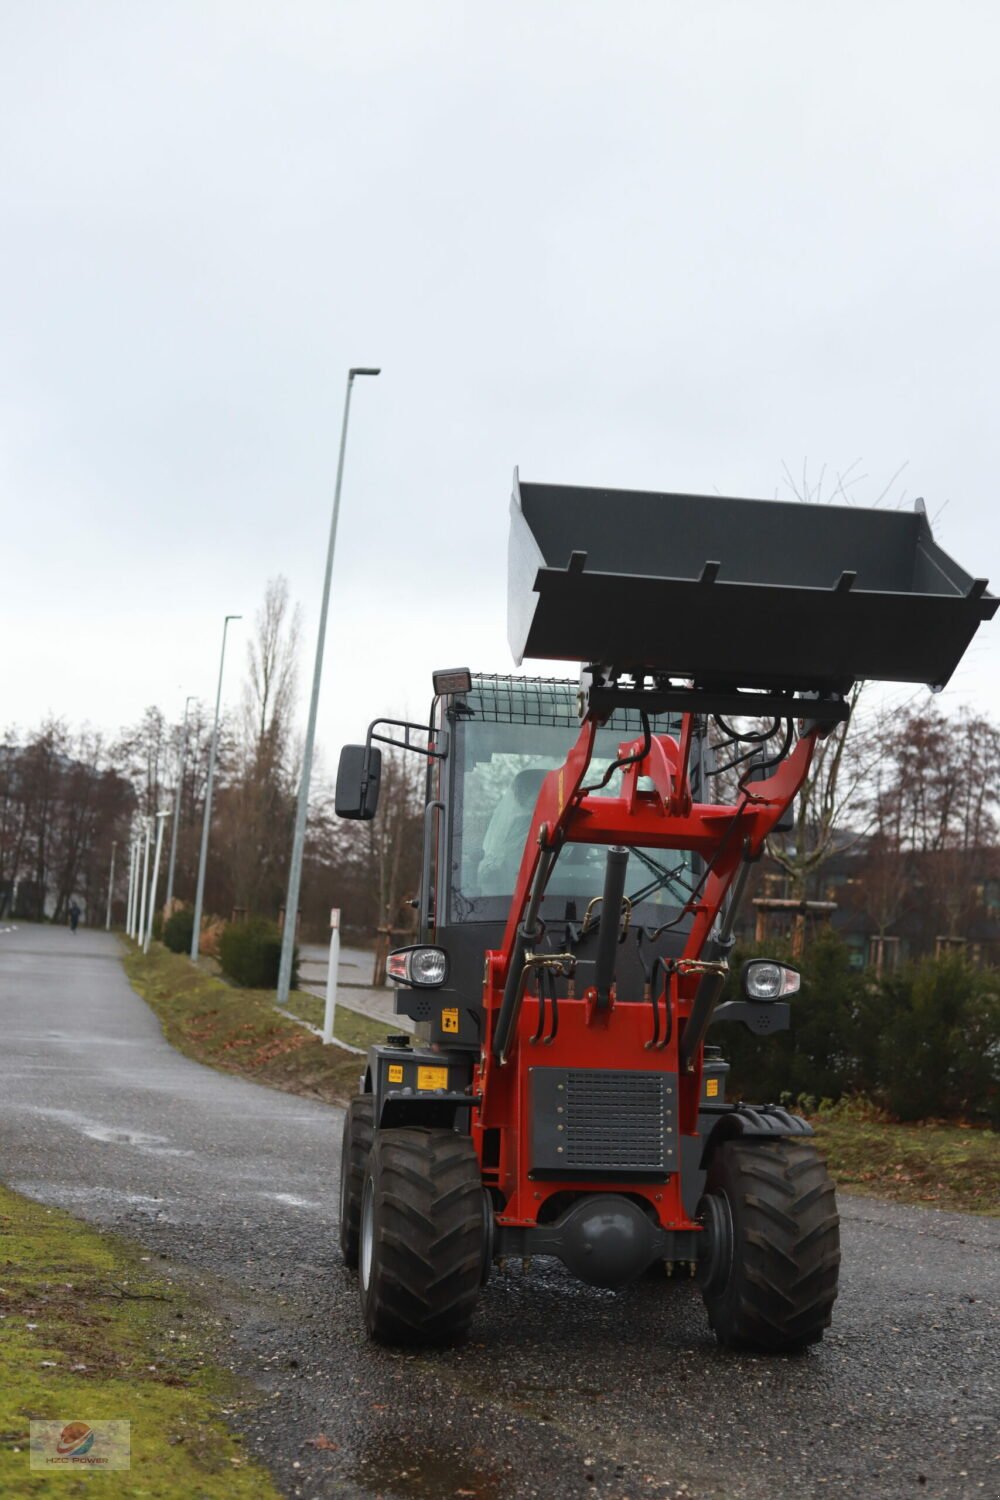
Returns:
point(88, 1333)
point(934, 1163)
point(240, 1031)
point(348, 1026)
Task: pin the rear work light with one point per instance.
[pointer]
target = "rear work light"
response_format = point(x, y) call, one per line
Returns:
point(427, 968)
point(762, 979)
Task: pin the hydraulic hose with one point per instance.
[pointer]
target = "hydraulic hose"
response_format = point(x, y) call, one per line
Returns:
point(711, 985)
point(528, 932)
point(607, 934)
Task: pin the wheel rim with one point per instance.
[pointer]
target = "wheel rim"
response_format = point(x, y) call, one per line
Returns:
point(367, 1231)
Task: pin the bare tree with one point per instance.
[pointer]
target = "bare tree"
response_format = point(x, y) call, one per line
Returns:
point(259, 809)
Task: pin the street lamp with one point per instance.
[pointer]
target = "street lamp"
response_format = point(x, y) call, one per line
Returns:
point(200, 893)
point(111, 885)
point(131, 886)
point(156, 875)
point(177, 808)
point(145, 878)
point(302, 808)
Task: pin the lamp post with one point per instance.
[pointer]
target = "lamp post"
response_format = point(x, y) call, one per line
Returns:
point(177, 808)
point(156, 875)
point(131, 888)
point(133, 923)
point(302, 808)
point(140, 926)
point(206, 824)
point(111, 885)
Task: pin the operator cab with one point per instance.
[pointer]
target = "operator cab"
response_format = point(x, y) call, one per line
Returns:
point(491, 744)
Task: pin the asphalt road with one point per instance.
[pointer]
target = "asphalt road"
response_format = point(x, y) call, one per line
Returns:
point(563, 1391)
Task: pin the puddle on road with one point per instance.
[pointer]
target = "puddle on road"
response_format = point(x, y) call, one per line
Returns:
point(395, 1468)
point(110, 1135)
point(72, 1196)
point(290, 1200)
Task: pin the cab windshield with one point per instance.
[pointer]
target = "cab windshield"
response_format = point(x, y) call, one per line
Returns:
point(508, 735)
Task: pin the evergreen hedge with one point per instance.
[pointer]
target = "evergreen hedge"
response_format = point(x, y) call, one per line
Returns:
point(923, 1042)
point(178, 930)
point(250, 953)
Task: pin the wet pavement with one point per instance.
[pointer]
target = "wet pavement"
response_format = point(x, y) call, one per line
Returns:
point(562, 1391)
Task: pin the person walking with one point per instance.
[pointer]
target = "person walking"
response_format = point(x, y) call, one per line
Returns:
point(74, 916)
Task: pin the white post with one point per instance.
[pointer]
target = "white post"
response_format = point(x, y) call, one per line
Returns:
point(160, 816)
point(331, 978)
point(111, 886)
point(131, 888)
point(141, 927)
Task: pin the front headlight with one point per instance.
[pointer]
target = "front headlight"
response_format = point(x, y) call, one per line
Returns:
point(762, 979)
point(425, 967)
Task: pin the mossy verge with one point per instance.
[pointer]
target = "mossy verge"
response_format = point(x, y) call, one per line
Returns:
point(935, 1164)
point(240, 1031)
point(89, 1333)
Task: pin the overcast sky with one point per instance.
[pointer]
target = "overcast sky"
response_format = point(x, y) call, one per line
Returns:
point(637, 244)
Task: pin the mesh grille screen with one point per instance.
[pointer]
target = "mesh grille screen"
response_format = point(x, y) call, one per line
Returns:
point(614, 1120)
point(545, 701)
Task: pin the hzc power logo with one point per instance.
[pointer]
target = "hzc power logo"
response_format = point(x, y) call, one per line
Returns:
point(70, 1445)
point(75, 1440)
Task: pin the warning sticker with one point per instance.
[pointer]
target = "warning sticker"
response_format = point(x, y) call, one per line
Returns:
point(711, 1088)
point(395, 1072)
point(432, 1078)
point(449, 1020)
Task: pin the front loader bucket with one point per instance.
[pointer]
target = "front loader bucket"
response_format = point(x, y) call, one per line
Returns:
point(729, 592)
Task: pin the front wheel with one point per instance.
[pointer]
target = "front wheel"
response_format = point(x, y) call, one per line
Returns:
point(771, 1245)
point(422, 1237)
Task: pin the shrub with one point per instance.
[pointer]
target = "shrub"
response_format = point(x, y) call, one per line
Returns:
point(923, 1042)
point(178, 930)
point(818, 1056)
point(250, 953)
point(940, 1045)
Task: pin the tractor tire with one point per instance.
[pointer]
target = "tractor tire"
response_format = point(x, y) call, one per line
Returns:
point(771, 1247)
point(422, 1237)
point(356, 1142)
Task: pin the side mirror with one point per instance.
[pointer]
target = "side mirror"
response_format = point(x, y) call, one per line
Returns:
point(359, 776)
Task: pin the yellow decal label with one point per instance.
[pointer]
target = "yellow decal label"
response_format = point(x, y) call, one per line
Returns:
point(449, 1020)
point(432, 1078)
point(395, 1072)
point(711, 1088)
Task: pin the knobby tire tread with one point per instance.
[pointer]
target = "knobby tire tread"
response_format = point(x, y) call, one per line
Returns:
point(428, 1237)
point(782, 1283)
point(359, 1132)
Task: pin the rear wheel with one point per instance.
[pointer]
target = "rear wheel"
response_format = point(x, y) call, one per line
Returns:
point(771, 1247)
point(422, 1237)
point(356, 1142)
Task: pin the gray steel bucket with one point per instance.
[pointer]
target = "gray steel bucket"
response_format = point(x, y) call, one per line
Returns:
point(730, 592)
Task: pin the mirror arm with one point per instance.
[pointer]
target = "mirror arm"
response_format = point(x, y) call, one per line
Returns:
point(405, 743)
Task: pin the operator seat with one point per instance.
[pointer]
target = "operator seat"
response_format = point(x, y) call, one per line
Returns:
point(503, 843)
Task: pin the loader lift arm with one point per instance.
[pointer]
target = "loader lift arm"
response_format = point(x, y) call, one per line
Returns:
point(726, 837)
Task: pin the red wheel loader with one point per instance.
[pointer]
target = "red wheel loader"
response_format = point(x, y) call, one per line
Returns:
point(582, 871)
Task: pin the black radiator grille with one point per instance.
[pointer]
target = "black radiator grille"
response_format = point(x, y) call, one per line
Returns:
point(614, 1119)
point(603, 1121)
